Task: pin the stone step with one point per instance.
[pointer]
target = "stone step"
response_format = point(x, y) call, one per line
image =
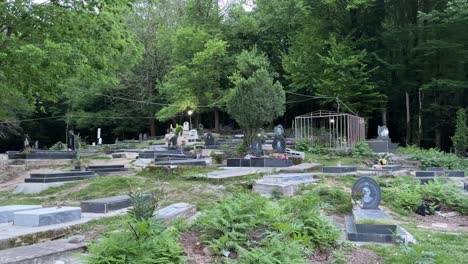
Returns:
point(42, 253)
point(105, 205)
point(174, 211)
point(47, 216)
point(7, 212)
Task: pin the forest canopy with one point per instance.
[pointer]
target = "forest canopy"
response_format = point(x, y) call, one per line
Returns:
point(136, 66)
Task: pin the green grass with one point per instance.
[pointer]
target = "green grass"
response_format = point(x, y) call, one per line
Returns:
point(369, 221)
point(328, 160)
point(432, 247)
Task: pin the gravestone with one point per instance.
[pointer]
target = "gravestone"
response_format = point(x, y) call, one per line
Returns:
point(201, 127)
point(454, 173)
point(369, 190)
point(36, 145)
point(383, 143)
point(71, 140)
point(116, 140)
point(369, 223)
point(59, 145)
point(339, 169)
point(279, 144)
point(47, 216)
point(383, 132)
point(282, 184)
point(209, 139)
point(255, 148)
point(105, 205)
point(172, 143)
point(174, 211)
point(140, 137)
point(145, 136)
point(186, 126)
point(7, 212)
point(26, 142)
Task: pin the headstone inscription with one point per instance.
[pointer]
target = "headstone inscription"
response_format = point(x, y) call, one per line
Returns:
point(367, 190)
point(279, 144)
point(209, 139)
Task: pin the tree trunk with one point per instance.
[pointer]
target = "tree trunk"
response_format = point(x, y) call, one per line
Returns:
point(420, 118)
point(216, 119)
point(437, 138)
point(152, 125)
point(408, 119)
point(384, 117)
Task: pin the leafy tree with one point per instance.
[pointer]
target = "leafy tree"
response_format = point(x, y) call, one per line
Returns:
point(256, 99)
point(460, 139)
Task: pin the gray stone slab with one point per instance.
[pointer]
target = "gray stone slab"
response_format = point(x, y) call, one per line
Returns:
point(454, 173)
point(303, 167)
point(426, 173)
point(189, 162)
point(339, 169)
point(42, 253)
point(354, 235)
point(282, 184)
point(47, 216)
point(435, 169)
point(174, 211)
point(7, 212)
point(105, 205)
point(373, 214)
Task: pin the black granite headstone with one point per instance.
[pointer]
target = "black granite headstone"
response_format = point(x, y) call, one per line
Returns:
point(209, 139)
point(368, 190)
point(256, 148)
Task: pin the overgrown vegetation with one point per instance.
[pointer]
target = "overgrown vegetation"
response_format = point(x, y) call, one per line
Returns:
point(256, 228)
point(460, 139)
point(435, 158)
point(144, 240)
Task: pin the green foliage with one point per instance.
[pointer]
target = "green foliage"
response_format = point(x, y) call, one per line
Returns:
point(371, 221)
point(249, 221)
point(143, 205)
point(272, 250)
point(445, 194)
point(334, 199)
point(178, 130)
point(362, 150)
point(146, 242)
point(302, 145)
point(256, 99)
point(460, 139)
point(434, 158)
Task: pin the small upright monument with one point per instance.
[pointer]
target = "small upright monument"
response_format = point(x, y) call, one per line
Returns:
point(383, 143)
point(279, 144)
point(369, 223)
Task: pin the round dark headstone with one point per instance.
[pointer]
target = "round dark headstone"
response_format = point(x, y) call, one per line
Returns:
point(279, 144)
point(172, 144)
point(209, 139)
point(256, 148)
point(368, 191)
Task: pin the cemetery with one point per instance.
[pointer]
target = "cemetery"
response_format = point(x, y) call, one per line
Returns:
point(236, 132)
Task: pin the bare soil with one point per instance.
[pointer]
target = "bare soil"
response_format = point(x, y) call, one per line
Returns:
point(193, 248)
point(364, 256)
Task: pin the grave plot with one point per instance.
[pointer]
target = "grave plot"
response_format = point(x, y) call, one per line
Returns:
point(282, 184)
point(187, 162)
point(43, 154)
point(369, 223)
point(433, 173)
point(108, 204)
point(339, 169)
point(259, 162)
point(158, 154)
point(46, 216)
point(174, 211)
point(232, 172)
point(59, 176)
point(7, 212)
point(102, 170)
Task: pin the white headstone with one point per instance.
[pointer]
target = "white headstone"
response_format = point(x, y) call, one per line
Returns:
point(99, 133)
point(186, 126)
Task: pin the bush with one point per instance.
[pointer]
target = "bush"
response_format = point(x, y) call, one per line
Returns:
point(302, 145)
point(217, 157)
point(434, 158)
point(460, 139)
point(362, 150)
point(445, 194)
point(336, 199)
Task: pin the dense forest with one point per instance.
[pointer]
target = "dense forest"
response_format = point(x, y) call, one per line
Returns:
point(137, 66)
